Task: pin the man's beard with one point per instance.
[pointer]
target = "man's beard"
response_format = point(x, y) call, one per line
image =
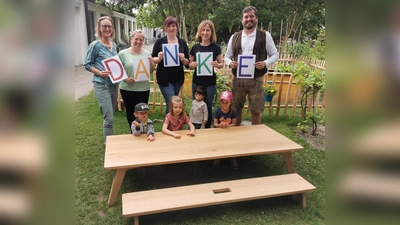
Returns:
point(250, 27)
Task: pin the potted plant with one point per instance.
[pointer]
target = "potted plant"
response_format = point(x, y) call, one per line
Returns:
point(269, 92)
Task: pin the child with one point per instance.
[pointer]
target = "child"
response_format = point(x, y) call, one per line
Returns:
point(225, 116)
point(143, 125)
point(176, 118)
point(198, 112)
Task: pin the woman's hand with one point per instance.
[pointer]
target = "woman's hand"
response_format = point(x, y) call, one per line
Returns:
point(216, 64)
point(183, 59)
point(130, 80)
point(152, 60)
point(193, 65)
point(104, 74)
point(160, 55)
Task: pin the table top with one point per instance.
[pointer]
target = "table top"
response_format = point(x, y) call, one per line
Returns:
point(128, 151)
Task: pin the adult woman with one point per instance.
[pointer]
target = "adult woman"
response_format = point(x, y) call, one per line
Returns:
point(106, 92)
point(134, 92)
point(206, 37)
point(170, 79)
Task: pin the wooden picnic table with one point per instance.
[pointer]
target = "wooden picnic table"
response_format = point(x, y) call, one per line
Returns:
point(124, 152)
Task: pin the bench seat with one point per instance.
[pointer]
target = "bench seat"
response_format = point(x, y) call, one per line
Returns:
point(184, 197)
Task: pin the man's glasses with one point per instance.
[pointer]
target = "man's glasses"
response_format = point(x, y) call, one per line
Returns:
point(106, 26)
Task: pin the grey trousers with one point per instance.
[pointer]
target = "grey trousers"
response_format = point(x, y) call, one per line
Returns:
point(107, 98)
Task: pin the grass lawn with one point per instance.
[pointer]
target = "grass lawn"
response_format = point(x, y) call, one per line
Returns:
point(93, 182)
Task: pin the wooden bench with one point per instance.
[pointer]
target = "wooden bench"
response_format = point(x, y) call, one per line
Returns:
point(140, 203)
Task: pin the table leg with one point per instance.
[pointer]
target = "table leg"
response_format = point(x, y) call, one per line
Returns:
point(287, 156)
point(116, 185)
point(136, 220)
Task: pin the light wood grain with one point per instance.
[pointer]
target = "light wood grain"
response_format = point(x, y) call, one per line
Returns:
point(125, 152)
point(184, 197)
point(128, 151)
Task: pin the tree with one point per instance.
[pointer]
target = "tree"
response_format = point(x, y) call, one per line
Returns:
point(124, 6)
point(309, 15)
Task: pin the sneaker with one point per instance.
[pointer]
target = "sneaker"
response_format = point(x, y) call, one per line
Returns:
point(234, 165)
point(216, 163)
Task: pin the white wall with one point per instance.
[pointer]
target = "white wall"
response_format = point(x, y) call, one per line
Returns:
point(80, 32)
point(81, 42)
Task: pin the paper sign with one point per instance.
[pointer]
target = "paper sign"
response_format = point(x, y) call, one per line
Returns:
point(204, 60)
point(171, 57)
point(246, 66)
point(141, 68)
point(114, 65)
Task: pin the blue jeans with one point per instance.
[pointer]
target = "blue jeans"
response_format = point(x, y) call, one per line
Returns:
point(169, 91)
point(107, 98)
point(208, 99)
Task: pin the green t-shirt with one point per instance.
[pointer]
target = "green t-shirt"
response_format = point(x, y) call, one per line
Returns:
point(127, 61)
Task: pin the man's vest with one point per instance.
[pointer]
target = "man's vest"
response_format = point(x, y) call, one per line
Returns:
point(258, 50)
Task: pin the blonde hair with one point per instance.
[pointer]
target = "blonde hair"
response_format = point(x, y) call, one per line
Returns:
point(133, 34)
point(213, 37)
point(137, 32)
point(176, 100)
point(97, 29)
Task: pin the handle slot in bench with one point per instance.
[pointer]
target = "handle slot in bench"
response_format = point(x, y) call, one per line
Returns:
point(222, 190)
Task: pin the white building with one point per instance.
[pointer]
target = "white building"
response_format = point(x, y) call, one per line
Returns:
point(87, 12)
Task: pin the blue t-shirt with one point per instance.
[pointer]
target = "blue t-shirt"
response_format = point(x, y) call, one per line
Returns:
point(218, 114)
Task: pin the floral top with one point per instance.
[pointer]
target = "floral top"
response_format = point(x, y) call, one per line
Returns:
point(176, 124)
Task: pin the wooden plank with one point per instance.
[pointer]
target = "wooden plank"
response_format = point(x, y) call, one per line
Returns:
point(129, 151)
point(296, 95)
point(116, 185)
point(288, 94)
point(279, 94)
point(287, 156)
point(154, 92)
point(201, 195)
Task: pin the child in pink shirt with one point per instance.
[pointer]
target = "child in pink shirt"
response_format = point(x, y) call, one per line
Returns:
point(176, 118)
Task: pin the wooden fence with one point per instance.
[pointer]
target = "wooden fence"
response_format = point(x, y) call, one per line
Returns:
point(287, 97)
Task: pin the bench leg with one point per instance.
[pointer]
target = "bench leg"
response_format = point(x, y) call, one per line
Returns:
point(116, 185)
point(136, 220)
point(302, 199)
point(287, 156)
